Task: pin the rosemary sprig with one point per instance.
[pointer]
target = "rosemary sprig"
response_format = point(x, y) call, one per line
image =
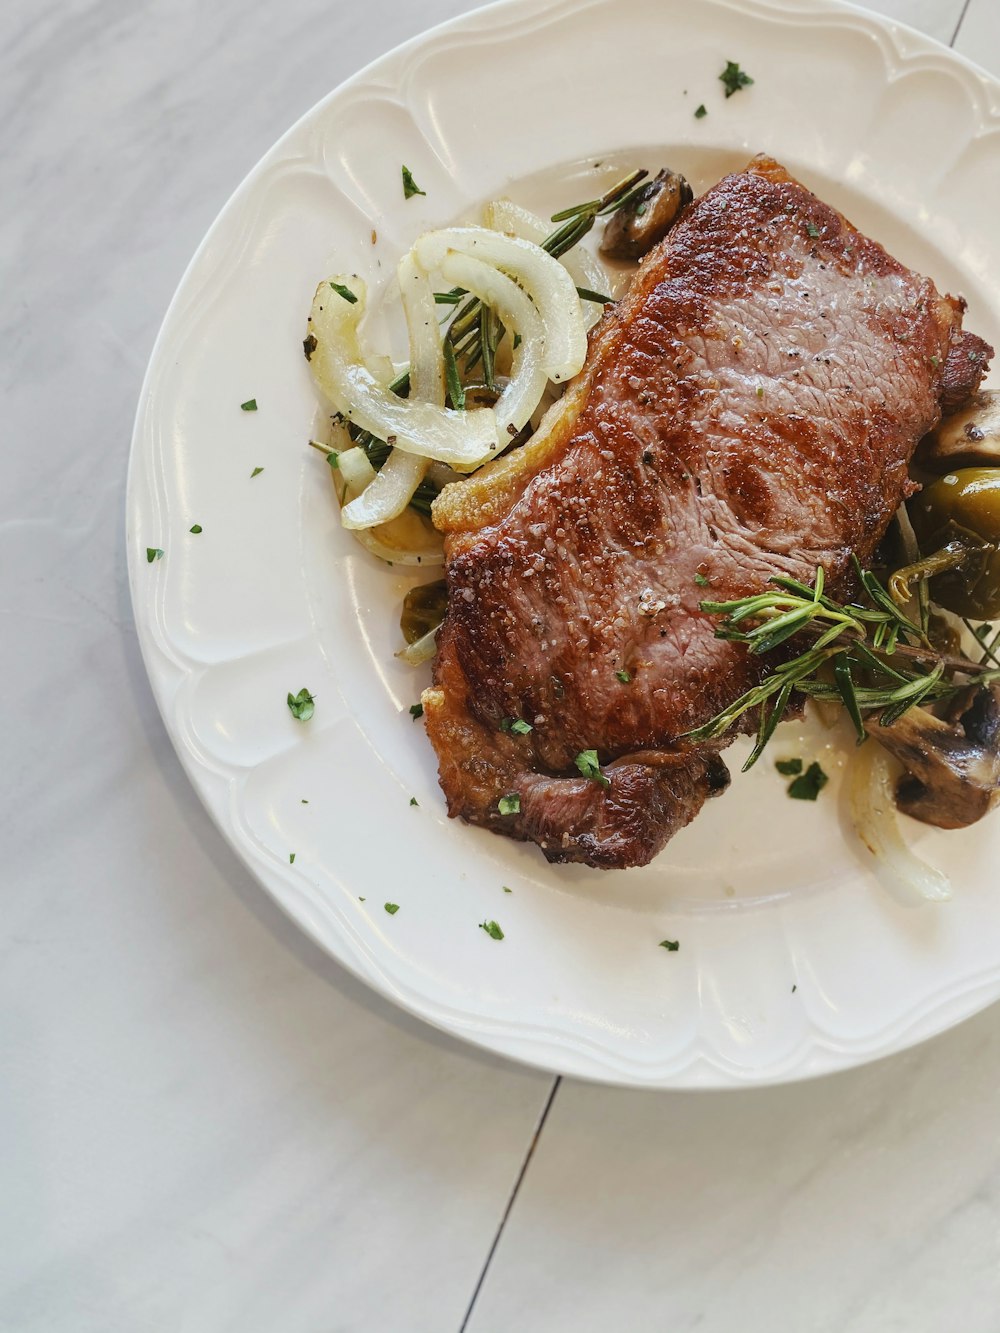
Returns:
point(881, 661)
point(465, 331)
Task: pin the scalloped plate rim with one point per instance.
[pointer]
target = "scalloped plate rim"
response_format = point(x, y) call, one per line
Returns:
point(549, 1050)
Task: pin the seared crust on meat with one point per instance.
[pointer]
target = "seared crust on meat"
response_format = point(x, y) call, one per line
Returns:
point(749, 409)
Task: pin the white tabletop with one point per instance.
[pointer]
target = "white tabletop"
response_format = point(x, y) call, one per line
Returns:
point(206, 1125)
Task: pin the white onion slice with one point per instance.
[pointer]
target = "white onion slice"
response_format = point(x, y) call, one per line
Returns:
point(391, 490)
point(387, 494)
point(406, 539)
point(506, 216)
point(426, 355)
point(355, 470)
point(528, 377)
point(421, 650)
point(873, 811)
point(548, 283)
point(463, 439)
point(378, 543)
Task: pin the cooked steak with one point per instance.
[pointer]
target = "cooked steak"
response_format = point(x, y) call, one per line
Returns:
point(749, 409)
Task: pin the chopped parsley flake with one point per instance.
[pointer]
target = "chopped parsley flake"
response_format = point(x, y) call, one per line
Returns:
point(345, 292)
point(492, 929)
point(410, 186)
point(788, 767)
point(809, 785)
point(416, 710)
point(413, 800)
point(153, 553)
point(671, 946)
point(249, 406)
point(517, 725)
point(391, 908)
point(256, 472)
point(588, 764)
point(301, 705)
point(812, 229)
point(701, 580)
point(196, 529)
point(510, 804)
point(291, 858)
point(506, 890)
point(333, 458)
point(700, 112)
point(733, 78)
point(309, 346)
point(760, 391)
point(624, 677)
point(304, 801)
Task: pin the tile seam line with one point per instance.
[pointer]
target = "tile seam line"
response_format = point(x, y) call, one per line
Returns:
point(540, 1125)
point(958, 25)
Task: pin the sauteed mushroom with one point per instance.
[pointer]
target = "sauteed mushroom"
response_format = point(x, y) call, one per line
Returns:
point(635, 229)
point(952, 769)
point(967, 438)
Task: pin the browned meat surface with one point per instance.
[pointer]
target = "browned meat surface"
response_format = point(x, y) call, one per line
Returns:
point(748, 410)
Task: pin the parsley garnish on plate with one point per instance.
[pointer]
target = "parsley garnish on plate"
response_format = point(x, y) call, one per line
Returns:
point(391, 908)
point(808, 785)
point(416, 710)
point(413, 800)
point(701, 580)
point(301, 705)
point(410, 186)
point(249, 406)
point(788, 768)
point(345, 292)
point(588, 764)
point(624, 677)
point(196, 529)
point(671, 946)
point(733, 78)
point(701, 112)
point(492, 929)
point(153, 553)
point(812, 229)
point(510, 804)
point(256, 472)
point(506, 890)
point(291, 858)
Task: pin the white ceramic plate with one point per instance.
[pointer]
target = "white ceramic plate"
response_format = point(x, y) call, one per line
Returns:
point(792, 959)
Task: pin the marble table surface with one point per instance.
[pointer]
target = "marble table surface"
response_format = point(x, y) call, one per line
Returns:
point(206, 1125)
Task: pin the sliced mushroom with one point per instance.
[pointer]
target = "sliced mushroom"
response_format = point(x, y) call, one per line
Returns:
point(952, 769)
point(968, 438)
point(647, 217)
